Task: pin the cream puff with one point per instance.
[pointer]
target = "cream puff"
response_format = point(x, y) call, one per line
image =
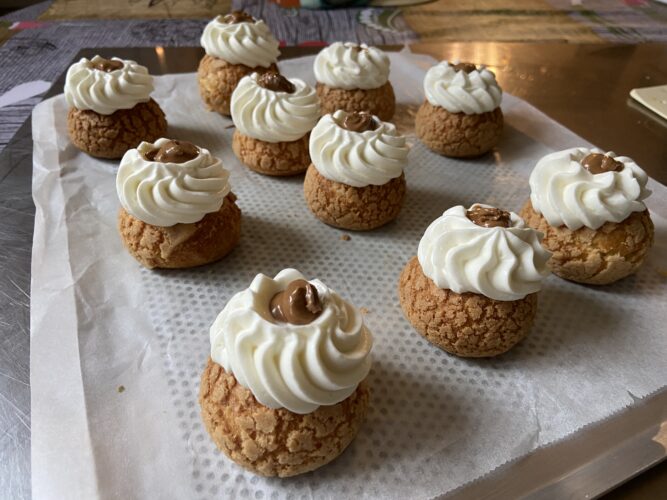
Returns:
point(177, 208)
point(354, 77)
point(236, 45)
point(461, 115)
point(590, 207)
point(273, 116)
point(472, 289)
point(284, 389)
point(356, 178)
point(110, 106)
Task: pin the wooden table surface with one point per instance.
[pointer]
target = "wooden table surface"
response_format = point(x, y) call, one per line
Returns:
point(584, 87)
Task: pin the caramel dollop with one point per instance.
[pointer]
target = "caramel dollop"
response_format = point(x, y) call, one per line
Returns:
point(464, 66)
point(298, 304)
point(597, 163)
point(356, 47)
point(276, 82)
point(107, 65)
point(174, 151)
point(489, 217)
point(237, 16)
point(359, 121)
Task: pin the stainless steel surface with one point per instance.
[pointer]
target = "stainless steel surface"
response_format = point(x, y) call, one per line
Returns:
point(16, 223)
point(587, 464)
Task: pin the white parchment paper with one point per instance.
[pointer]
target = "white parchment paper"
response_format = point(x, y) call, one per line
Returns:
point(117, 350)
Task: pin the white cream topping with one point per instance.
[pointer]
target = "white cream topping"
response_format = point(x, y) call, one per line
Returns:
point(358, 159)
point(497, 262)
point(566, 193)
point(274, 116)
point(105, 92)
point(165, 194)
point(297, 367)
point(248, 43)
point(460, 92)
point(349, 66)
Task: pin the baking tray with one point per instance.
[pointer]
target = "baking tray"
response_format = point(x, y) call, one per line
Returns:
point(587, 464)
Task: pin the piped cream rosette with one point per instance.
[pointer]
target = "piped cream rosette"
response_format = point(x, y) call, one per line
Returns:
point(249, 43)
point(165, 194)
point(274, 116)
point(297, 367)
point(566, 193)
point(501, 263)
point(349, 66)
point(359, 159)
point(105, 92)
point(458, 91)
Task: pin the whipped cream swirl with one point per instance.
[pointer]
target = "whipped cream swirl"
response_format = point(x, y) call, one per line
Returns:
point(297, 367)
point(165, 194)
point(274, 116)
point(349, 66)
point(502, 263)
point(566, 193)
point(106, 92)
point(248, 43)
point(471, 93)
point(358, 159)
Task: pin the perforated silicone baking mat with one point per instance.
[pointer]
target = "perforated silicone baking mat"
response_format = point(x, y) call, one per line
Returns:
point(117, 350)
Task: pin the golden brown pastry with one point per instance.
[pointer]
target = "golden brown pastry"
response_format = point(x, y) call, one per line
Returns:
point(110, 108)
point(267, 401)
point(589, 205)
point(472, 289)
point(354, 77)
point(236, 45)
point(380, 102)
point(193, 222)
point(356, 180)
point(218, 79)
point(183, 245)
point(273, 117)
point(272, 158)
point(465, 324)
point(348, 207)
point(456, 134)
point(276, 442)
point(461, 116)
